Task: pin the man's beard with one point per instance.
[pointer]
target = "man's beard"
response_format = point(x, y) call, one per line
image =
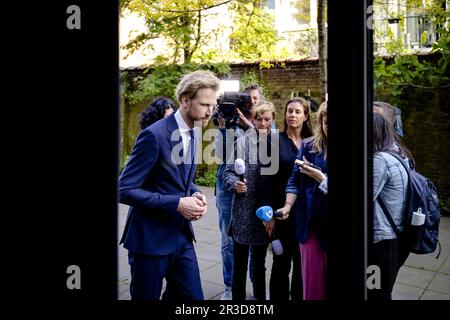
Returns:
point(205, 122)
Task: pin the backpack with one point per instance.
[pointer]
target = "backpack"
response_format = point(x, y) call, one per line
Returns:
point(422, 197)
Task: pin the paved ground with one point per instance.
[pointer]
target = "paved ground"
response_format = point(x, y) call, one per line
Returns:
point(423, 277)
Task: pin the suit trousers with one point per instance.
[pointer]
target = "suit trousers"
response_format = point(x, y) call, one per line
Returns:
point(180, 269)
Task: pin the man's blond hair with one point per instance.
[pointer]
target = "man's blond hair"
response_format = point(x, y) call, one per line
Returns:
point(192, 82)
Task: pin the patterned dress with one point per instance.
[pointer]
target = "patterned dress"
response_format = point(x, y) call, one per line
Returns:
point(246, 227)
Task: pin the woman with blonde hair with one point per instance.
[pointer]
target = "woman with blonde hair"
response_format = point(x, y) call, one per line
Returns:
point(308, 185)
point(253, 192)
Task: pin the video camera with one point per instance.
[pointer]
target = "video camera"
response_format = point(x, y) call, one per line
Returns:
point(227, 106)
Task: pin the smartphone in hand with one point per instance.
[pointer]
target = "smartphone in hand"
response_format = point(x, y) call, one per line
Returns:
point(302, 163)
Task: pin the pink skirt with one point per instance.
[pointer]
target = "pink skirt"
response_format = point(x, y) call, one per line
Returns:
point(314, 269)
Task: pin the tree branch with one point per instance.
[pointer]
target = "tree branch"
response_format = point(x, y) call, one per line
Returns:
point(189, 10)
point(199, 31)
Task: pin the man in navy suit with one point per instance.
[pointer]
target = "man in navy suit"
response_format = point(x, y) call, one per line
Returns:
point(157, 184)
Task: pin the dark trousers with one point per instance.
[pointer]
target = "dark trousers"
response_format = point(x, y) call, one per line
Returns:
point(389, 256)
point(280, 288)
point(241, 252)
point(179, 268)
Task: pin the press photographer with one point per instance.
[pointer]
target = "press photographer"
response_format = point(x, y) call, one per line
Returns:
point(233, 108)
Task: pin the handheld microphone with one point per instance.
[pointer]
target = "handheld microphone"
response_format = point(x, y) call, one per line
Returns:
point(266, 213)
point(277, 247)
point(239, 168)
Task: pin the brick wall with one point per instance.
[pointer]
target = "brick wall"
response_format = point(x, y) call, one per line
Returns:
point(296, 78)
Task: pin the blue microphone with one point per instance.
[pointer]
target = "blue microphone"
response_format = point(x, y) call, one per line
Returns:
point(266, 213)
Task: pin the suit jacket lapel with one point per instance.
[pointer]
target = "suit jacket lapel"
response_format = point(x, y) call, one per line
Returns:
point(171, 127)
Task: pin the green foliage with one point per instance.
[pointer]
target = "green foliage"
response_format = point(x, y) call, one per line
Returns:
point(445, 206)
point(123, 162)
point(307, 41)
point(254, 36)
point(206, 175)
point(407, 70)
point(125, 86)
point(163, 79)
point(429, 11)
point(252, 76)
point(187, 31)
point(303, 14)
point(179, 22)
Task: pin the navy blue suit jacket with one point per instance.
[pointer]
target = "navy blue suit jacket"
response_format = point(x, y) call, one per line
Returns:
point(312, 203)
point(152, 185)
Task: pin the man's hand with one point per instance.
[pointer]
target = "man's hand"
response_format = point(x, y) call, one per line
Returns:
point(202, 198)
point(191, 208)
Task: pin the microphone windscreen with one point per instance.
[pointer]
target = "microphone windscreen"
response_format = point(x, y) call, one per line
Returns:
point(265, 213)
point(239, 166)
point(277, 247)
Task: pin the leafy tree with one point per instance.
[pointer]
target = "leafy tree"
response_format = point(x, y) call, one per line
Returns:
point(179, 22)
point(307, 40)
point(408, 70)
point(312, 38)
point(391, 12)
point(254, 36)
point(303, 14)
point(182, 24)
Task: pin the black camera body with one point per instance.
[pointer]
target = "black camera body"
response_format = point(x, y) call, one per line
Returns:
point(227, 106)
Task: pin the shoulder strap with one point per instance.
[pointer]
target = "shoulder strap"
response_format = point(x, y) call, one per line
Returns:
point(400, 159)
point(388, 216)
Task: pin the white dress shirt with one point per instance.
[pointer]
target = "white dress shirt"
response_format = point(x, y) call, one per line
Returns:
point(185, 136)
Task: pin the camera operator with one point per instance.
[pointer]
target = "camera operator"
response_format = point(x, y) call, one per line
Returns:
point(256, 95)
point(224, 197)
